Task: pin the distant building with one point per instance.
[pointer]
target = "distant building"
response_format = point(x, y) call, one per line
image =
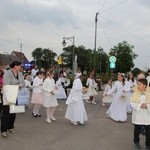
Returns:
point(6, 59)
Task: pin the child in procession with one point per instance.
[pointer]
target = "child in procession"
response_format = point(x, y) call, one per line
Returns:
point(49, 96)
point(140, 101)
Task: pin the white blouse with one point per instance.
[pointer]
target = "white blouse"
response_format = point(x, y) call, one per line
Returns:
point(37, 85)
point(48, 86)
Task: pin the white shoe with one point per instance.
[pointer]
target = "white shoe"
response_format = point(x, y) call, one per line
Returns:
point(75, 123)
point(93, 102)
point(87, 101)
point(81, 123)
point(48, 120)
point(52, 118)
point(103, 105)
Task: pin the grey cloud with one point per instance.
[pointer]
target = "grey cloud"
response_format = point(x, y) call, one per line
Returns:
point(145, 2)
point(36, 14)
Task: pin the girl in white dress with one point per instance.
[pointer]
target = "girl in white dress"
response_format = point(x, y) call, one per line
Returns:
point(28, 86)
point(109, 98)
point(36, 99)
point(49, 96)
point(75, 110)
point(118, 108)
point(91, 88)
point(130, 83)
point(60, 92)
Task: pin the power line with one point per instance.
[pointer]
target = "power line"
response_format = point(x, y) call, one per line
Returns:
point(114, 6)
point(103, 4)
point(122, 28)
point(106, 35)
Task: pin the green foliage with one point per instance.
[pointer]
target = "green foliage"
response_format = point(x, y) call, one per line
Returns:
point(44, 58)
point(125, 56)
point(86, 58)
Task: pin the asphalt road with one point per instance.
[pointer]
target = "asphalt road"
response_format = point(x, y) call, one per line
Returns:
point(99, 133)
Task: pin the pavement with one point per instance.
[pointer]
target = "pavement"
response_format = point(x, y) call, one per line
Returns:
point(99, 133)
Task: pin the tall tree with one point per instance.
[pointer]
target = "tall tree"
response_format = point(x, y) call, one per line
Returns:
point(125, 56)
point(44, 57)
point(84, 57)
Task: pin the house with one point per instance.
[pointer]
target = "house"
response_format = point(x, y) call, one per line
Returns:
point(6, 59)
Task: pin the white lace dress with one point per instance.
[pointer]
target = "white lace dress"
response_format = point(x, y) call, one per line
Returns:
point(118, 108)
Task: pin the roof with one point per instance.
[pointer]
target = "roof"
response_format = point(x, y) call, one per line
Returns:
point(6, 59)
point(21, 57)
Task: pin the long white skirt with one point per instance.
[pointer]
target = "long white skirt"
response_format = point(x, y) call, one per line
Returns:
point(60, 93)
point(76, 112)
point(107, 99)
point(118, 109)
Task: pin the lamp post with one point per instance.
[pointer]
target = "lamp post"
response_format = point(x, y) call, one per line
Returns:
point(95, 37)
point(20, 45)
point(72, 39)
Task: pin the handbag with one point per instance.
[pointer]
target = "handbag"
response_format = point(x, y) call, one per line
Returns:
point(16, 109)
point(10, 94)
point(23, 97)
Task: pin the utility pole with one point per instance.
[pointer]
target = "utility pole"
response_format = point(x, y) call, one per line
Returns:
point(95, 37)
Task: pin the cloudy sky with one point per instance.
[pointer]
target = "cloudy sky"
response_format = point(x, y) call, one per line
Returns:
point(44, 23)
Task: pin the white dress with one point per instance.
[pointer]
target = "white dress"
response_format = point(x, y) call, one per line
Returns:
point(129, 86)
point(60, 91)
point(37, 95)
point(75, 109)
point(49, 100)
point(148, 80)
point(91, 87)
point(109, 98)
point(118, 108)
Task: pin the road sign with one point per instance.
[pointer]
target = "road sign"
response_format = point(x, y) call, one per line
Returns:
point(112, 65)
point(112, 59)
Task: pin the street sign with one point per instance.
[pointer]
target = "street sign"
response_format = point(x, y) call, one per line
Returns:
point(112, 59)
point(112, 65)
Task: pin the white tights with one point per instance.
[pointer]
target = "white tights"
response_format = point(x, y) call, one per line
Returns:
point(50, 111)
point(36, 108)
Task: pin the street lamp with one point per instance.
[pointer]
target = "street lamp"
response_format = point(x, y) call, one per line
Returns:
point(72, 39)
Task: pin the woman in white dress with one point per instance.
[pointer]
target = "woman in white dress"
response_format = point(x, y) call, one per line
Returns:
point(75, 110)
point(60, 92)
point(49, 96)
point(130, 83)
point(118, 108)
point(91, 88)
point(109, 98)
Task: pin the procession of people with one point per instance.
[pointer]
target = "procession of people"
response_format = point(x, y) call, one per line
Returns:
point(123, 96)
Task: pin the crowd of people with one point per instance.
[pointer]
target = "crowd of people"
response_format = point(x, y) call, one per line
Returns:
point(126, 95)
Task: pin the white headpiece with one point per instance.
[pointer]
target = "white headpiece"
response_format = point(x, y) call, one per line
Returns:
point(122, 74)
point(78, 75)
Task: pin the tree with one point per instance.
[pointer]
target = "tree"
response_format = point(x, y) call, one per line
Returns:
point(84, 57)
point(101, 61)
point(125, 56)
point(44, 58)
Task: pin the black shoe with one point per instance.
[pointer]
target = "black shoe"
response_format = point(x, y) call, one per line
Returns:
point(38, 115)
point(137, 145)
point(34, 115)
